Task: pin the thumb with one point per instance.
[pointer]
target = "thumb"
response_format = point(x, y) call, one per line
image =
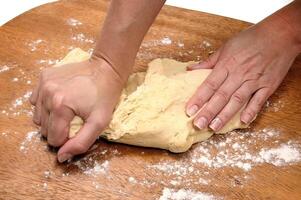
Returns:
point(79, 144)
point(207, 64)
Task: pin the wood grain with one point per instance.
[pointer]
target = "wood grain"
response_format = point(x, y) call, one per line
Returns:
point(24, 172)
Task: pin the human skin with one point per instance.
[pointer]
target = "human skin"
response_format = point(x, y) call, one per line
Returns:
point(91, 89)
point(247, 69)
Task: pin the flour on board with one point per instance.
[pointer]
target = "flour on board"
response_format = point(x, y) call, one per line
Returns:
point(183, 194)
point(4, 68)
point(33, 45)
point(73, 22)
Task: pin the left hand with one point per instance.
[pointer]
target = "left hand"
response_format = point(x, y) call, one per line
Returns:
point(246, 71)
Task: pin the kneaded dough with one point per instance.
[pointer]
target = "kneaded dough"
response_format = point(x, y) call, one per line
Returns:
point(151, 111)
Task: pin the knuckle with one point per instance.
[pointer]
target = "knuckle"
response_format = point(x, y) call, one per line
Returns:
point(209, 114)
point(49, 86)
point(80, 147)
point(251, 112)
point(199, 99)
point(238, 97)
point(224, 117)
point(212, 85)
point(222, 94)
point(57, 101)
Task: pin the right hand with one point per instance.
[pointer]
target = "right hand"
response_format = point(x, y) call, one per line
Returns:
point(89, 89)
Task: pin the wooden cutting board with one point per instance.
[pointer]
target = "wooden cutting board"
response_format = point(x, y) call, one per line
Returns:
point(242, 165)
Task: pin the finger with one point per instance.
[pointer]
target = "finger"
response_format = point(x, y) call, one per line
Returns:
point(237, 101)
point(206, 90)
point(35, 93)
point(59, 122)
point(217, 102)
point(38, 109)
point(44, 120)
point(207, 64)
point(81, 142)
point(254, 105)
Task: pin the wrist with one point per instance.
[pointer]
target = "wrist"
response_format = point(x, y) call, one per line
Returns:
point(101, 66)
point(278, 31)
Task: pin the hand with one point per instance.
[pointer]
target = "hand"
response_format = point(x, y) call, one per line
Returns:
point(88, 89)
point(246, 71)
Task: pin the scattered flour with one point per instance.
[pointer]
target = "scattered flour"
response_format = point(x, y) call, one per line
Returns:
point(180, 44)
point(206, 44)
point(73, 22)
point(19, 101)
point(4, 68)
point(240, 150)
point(82, 38)
point(166, 41)
point(48, 62)
point(132, 180)
point(282, 155)
point(33, 45)
point(182, 194)
point(45, 186)
point(31, 137)
point(274, 106)
point(95, 169)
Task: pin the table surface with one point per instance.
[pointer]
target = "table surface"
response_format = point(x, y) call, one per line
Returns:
point(248, 164)
point(250, 11)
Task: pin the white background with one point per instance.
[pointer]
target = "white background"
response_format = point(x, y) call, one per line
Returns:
point(247, 10)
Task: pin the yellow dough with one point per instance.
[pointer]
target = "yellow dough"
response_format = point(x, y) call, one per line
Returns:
point(151, 111)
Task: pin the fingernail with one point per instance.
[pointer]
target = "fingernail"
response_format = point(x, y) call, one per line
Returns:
point(192, 110)
point(246, 118)
point(63, 157)
point(201, 122)
point(216, 124)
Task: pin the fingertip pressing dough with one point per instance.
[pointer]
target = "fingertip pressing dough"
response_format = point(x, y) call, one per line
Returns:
point(151, 111)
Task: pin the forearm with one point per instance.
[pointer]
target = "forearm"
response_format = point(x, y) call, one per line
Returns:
point(123, 30)
point(286, 25)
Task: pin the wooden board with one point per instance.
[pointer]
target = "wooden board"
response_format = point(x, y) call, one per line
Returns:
point(29, 170)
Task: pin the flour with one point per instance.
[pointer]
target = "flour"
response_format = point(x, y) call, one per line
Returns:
point(96, 168)
point(182, 194)
point(206, 44)
point(19, 101)
point(166, 41)
point(31, 138)
point(180, 44)
point(132, 180)
point(239, 150)
point(48, 62)
point(282, 155)
point(82, 38)
point(34, 45)
point(73, 22)
point(153, 43)
point(4, 68)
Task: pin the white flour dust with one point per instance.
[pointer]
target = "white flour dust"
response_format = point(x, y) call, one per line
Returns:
point(34, 45)
point(31, 138)
point(82, 38)
point(93, 170)
point(274, 106)
point(73, 22)
point(48, 62)
point(183, 194)
point(240, 150)
point(166, 41)
point(282, 155)
point(4, 68)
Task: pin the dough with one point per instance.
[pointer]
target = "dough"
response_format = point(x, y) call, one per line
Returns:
point(151, 111)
